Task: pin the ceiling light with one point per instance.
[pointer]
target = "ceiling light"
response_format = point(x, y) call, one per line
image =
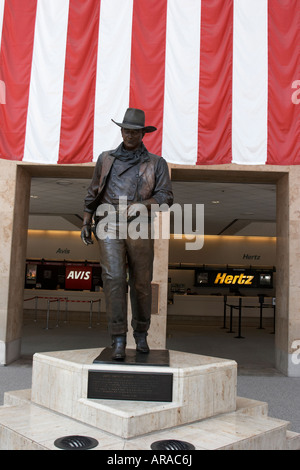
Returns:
point(34, 197)
point(215, 202)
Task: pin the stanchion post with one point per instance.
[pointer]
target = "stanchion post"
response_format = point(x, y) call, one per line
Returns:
point(274, 316)
point(240, 319)
point(261, 303)
point(57, 312)
point(36, 304)
point(98, 317)
point(230, 321)
point(224, 313)
point(48, 313)
point(91, 313)
point(66, 309)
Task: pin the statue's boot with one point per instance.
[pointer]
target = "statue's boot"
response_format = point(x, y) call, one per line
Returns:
point(118, 347)
point(141, 342)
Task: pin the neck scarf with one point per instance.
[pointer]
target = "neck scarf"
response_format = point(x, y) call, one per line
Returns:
point(131, 156)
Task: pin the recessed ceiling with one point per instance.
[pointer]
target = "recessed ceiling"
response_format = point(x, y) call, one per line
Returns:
point(229, 208)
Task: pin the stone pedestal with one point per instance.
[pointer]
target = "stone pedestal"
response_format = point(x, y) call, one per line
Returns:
point(201, 387)
point(204, 410)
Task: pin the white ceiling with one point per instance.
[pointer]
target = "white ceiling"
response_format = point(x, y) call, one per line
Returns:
point(229, 208)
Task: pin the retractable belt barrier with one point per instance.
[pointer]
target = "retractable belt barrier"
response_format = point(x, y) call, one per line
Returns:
point(67, 301)
point(239, 307)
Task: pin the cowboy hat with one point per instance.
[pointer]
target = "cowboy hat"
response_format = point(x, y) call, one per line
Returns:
point(135, 119)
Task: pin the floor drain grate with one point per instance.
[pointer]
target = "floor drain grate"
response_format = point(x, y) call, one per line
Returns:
point(172, 444)
point(75, 443)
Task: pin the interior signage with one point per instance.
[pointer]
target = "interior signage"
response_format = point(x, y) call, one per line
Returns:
point(63, 251)
point(251, 257)
point(224, 278)
point(234, 278)
point(78, 277)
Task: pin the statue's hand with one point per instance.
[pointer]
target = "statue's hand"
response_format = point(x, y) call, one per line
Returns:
point(86, 235)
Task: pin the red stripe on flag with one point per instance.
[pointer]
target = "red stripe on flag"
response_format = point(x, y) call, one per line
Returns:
point(15, 70)
point(215, 89)
point(148, 65)
point(283, 69)
point(77, 121)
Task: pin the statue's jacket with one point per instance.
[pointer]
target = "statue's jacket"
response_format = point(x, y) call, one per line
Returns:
point(153, 180)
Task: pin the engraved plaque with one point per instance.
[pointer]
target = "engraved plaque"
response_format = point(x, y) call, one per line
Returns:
point(138, 386)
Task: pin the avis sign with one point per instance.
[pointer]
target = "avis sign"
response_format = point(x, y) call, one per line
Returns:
point(78, 277)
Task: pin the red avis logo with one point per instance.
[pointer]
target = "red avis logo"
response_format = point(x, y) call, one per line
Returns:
point(78, 277)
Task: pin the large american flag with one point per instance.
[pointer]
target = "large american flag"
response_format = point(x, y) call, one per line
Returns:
point(220, 79)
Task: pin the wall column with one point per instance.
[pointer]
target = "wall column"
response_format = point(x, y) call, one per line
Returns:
point(14, 210)
point(158, 328)
point(287, 337)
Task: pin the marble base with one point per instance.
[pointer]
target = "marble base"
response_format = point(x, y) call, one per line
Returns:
point(202, 387)
point(205, 411)
point(25, 426)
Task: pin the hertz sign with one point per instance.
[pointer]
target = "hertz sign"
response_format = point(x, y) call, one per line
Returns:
point(241, 279)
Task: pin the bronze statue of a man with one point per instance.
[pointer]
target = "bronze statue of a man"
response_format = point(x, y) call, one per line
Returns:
point(133, 174)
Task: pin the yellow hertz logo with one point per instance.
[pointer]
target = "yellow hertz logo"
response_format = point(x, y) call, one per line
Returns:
point(224, 278)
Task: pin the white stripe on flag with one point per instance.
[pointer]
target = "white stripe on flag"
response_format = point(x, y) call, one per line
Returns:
point(47, 79)
point(2, 84)
point(250, 82)
point(1, 17)
point(181, 104)
point(113, 72)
